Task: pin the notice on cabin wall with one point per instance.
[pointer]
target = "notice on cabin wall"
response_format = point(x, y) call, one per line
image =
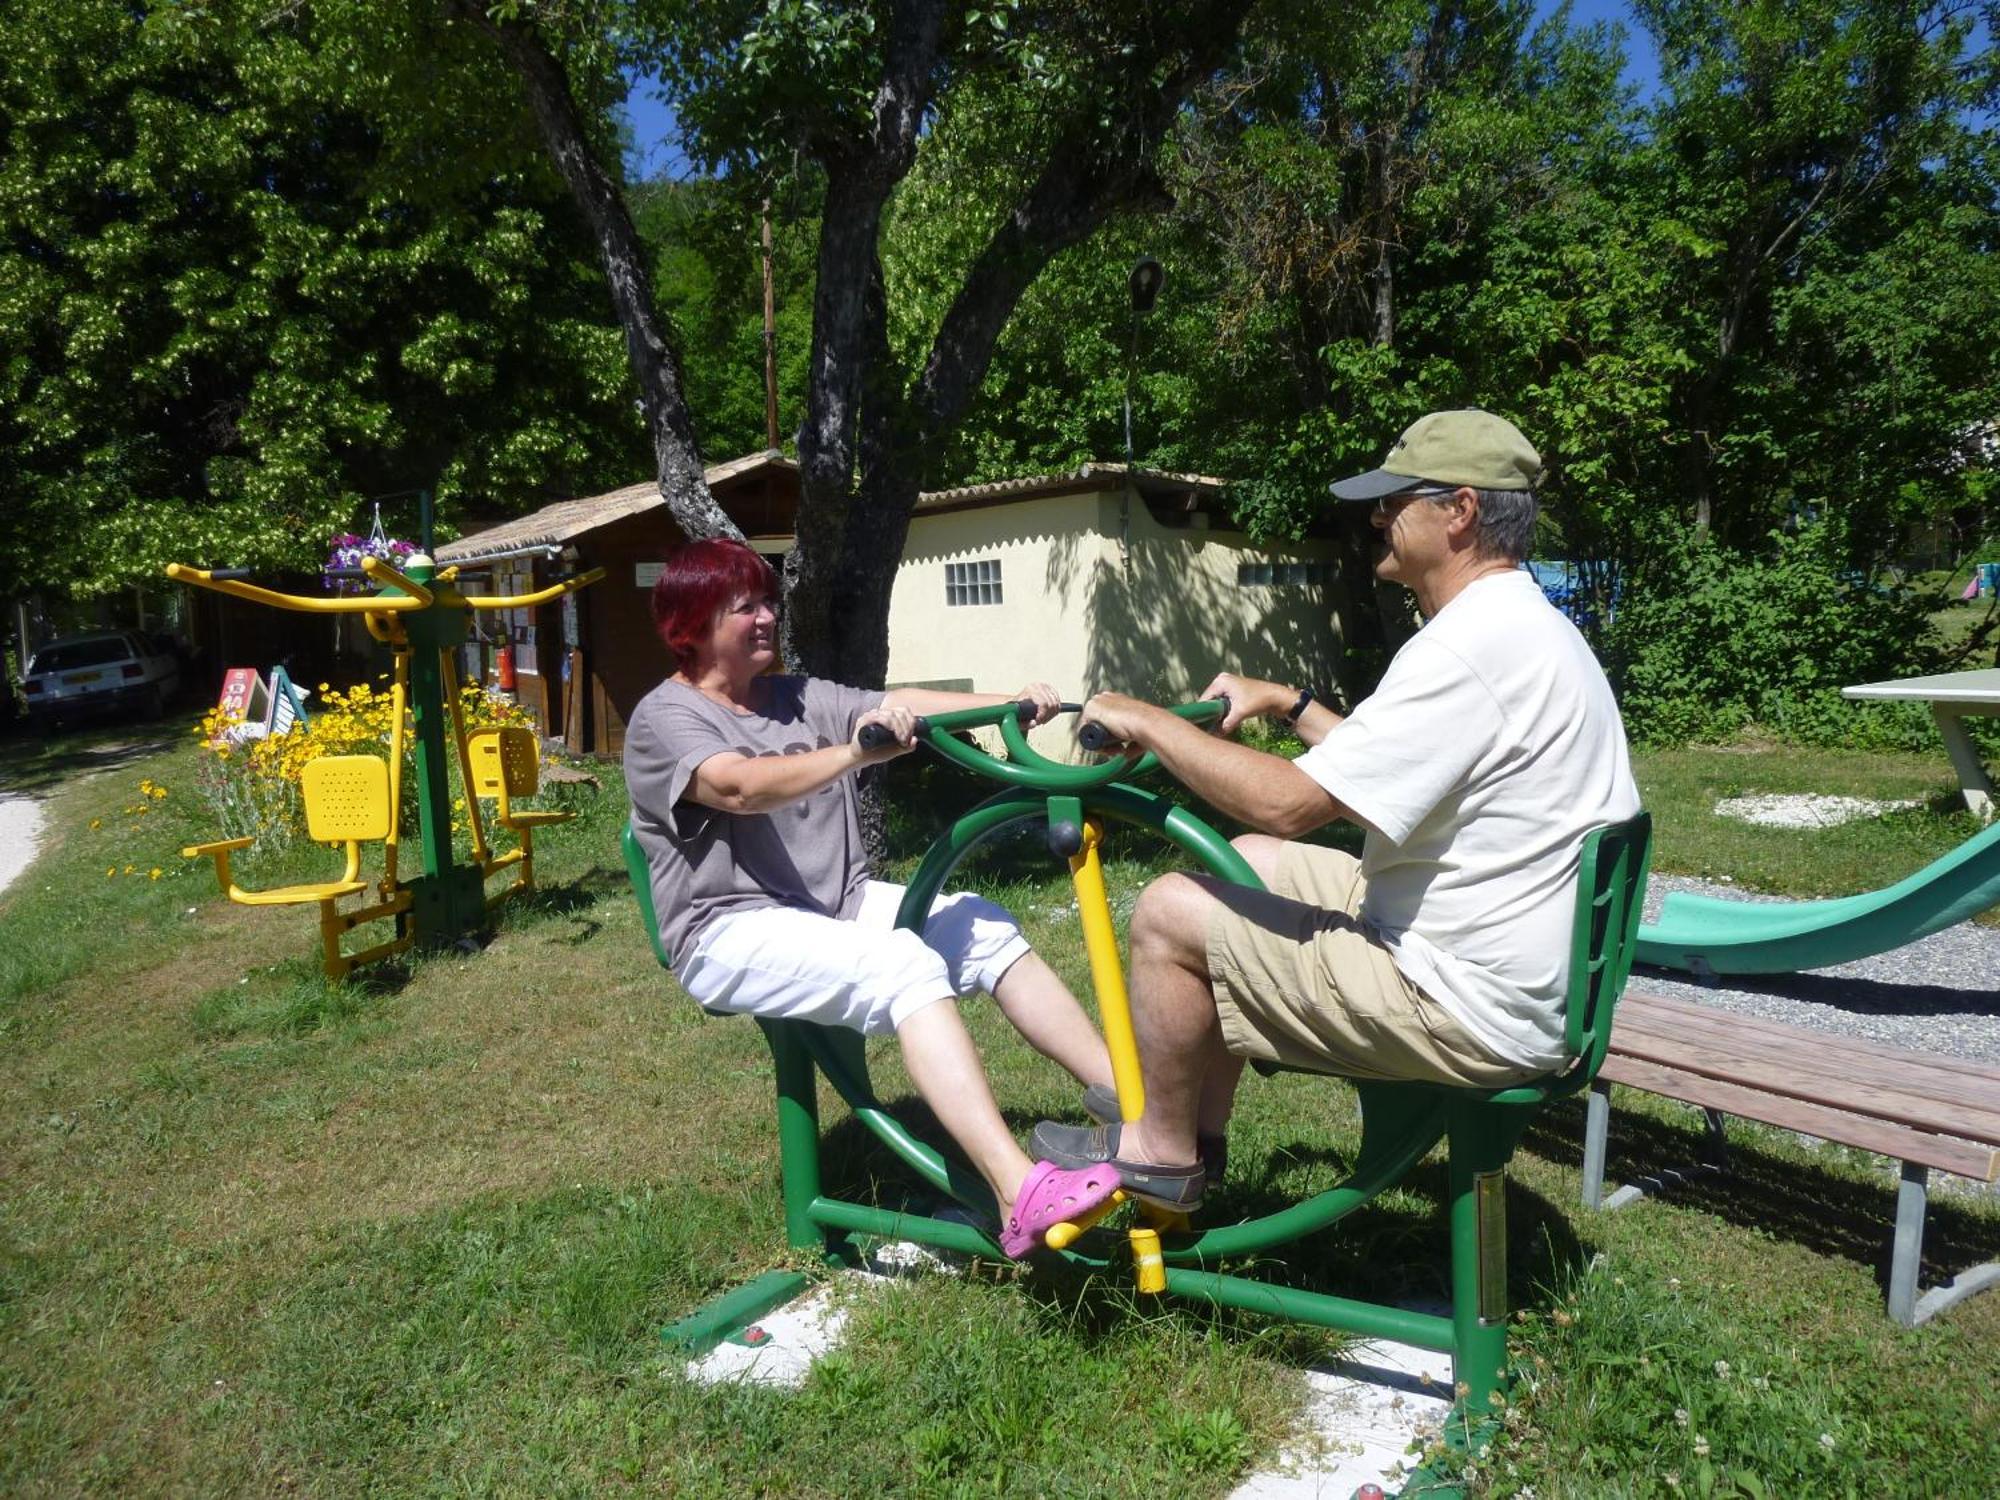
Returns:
point(645, 575)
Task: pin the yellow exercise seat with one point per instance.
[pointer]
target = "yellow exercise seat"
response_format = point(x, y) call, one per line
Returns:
point(507, 763)
point(347, 801)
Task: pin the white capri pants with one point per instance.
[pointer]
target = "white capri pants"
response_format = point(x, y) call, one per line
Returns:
point(863, 973)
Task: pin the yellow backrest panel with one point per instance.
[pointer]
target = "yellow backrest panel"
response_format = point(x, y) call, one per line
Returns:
point(505, 756)
point(347, 797)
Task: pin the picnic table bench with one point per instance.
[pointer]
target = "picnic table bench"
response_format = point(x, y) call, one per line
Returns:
point(1922, 1110)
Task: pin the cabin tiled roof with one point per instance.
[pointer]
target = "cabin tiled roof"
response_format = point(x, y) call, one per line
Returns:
point(554, 525)
point(1090, 476)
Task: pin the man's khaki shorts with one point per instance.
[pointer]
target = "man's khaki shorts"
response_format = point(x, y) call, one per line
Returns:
point(1299, 981)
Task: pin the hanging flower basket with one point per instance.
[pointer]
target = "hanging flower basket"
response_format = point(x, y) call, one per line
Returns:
point(348, 550)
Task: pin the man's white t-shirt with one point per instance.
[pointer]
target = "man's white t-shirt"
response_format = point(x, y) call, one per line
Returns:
point(1492, 746)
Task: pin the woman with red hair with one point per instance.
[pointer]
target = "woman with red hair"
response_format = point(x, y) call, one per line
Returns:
point(744, 799)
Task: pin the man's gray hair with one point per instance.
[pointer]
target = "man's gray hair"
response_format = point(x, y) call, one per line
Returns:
point(1506, 524)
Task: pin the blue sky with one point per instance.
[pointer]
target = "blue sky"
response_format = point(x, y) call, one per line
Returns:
point(658, 152)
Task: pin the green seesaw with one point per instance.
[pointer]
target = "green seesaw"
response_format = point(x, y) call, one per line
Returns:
point(1401, 1122)
point(1714, 935)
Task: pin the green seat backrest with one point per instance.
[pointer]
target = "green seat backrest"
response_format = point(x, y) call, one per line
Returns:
point(1610, 892)
point(642, 887)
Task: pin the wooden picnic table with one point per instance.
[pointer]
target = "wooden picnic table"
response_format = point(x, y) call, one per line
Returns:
point(1951, 696)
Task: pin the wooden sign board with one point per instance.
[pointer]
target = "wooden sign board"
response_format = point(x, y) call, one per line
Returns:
point(245, 698)
point(287, 707)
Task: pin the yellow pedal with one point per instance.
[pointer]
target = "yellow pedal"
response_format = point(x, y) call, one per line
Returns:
point(1062, 1236)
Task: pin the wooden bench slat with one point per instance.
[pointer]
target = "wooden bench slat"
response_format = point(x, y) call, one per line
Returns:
point(1961, 1080)
point(1899, 1142)
point(1797, 1068)
point(1643, 1007)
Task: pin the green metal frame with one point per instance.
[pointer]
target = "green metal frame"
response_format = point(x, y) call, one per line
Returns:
point(1401, 1122)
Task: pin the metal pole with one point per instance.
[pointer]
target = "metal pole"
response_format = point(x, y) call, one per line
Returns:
point(770, 342)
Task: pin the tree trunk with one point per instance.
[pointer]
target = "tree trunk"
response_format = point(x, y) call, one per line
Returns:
point(655, 365)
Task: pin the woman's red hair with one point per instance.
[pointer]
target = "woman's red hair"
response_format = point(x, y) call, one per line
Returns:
point(698, 581)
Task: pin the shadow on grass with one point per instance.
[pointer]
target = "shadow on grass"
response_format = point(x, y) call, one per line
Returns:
point(295, 998)
point(568, 902)
point(1394, 1249)
point(29, 763)
point(1819, 1210)
point(1851, 993)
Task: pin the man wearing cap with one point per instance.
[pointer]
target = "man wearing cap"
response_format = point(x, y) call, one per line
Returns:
point(1488, 751)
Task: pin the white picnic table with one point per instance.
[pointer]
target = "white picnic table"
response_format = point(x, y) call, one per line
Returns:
point(1951, 696)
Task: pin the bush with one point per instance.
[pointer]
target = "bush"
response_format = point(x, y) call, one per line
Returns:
point(1708, 641)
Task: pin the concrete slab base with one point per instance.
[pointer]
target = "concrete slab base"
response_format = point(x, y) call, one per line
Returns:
point(785, 1342)
point(1363, 1414)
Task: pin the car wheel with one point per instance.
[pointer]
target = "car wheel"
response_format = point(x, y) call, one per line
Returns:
point(152, 705)
point(42, 724)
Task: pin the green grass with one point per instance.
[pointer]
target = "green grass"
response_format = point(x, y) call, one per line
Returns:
point(1682, 787)
point(419, 1233)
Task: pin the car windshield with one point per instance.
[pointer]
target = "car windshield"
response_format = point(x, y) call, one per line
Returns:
point(68, 656)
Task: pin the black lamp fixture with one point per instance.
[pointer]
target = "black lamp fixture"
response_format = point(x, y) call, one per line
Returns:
point(1144, 282)
point(1147, 277)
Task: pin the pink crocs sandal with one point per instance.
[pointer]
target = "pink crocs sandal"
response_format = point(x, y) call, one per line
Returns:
point(1050, 1196)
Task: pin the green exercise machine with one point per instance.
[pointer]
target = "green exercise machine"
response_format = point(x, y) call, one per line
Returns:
point(1401, 1122)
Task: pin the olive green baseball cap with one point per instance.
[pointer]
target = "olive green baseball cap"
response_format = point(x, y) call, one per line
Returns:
point(1451, 448)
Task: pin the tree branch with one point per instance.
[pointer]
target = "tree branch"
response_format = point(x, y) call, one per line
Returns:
point(655, 365)
point(1088, 176)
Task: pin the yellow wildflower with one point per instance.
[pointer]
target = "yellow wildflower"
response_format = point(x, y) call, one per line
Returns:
point(96, 823)
point(113, 870)
point(154, 873)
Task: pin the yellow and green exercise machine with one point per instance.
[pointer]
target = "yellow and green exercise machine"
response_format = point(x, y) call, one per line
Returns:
point(1072, 805)
point(351, 800)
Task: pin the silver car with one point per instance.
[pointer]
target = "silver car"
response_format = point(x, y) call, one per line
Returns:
point(110, 672)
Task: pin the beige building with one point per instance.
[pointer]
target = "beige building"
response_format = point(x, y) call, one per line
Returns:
point(1102, 578)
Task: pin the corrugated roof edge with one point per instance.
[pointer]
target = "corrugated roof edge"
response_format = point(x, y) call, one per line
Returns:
point(555, 524)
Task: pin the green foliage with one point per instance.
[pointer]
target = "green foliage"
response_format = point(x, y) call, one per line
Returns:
point(256, 266)
point(1710, 640)
point(704, 237)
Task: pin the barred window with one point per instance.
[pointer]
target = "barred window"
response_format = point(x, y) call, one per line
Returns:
point(1264, 575)
point(972, 582)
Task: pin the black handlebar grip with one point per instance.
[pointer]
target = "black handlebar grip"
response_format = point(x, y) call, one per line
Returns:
point(232, 575)
point(878, 736)
point(1094, 737)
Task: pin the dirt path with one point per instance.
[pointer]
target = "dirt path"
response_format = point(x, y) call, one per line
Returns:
point(20, 834)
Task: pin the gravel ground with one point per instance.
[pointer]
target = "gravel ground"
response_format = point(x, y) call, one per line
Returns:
point(1941, 994)
point(20, 830)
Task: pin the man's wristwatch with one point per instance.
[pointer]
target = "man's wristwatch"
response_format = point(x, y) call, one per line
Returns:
point(1305, 698)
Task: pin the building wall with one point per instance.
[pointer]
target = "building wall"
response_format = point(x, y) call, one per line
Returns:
point(1049, 550)
point(623, 655)
point(1173, 611)
point(1099, 594)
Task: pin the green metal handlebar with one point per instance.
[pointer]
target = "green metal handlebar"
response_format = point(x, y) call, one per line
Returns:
point(1025, 766)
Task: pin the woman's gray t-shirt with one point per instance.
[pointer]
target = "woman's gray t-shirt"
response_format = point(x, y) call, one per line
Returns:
point(706, 863)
